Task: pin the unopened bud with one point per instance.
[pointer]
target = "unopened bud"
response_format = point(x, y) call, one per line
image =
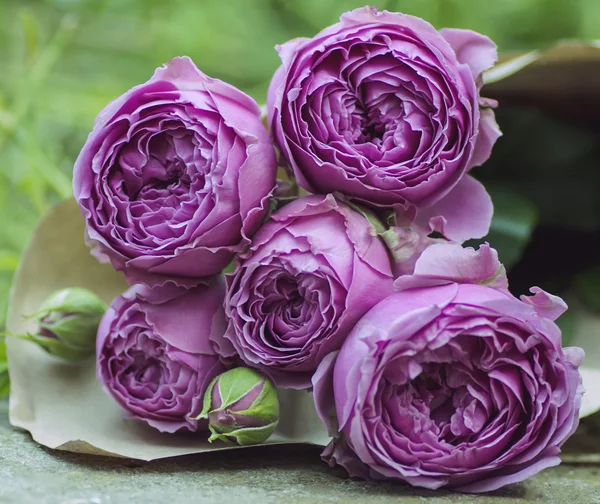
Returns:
point(241, 406)
point(68, 321)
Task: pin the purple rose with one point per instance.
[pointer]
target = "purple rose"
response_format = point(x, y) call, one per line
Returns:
point(454, 384)
point(383, 107)
point(310, 273)
point(156, 359)
point(175, 176)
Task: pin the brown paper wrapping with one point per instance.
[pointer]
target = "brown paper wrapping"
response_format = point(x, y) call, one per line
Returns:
point(63, 405)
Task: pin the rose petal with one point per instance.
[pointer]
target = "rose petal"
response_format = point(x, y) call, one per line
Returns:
point(465, 213)
point(175, 177)
point(546, 305)
point(322, 382)
point(450, 262)
point(473, 49)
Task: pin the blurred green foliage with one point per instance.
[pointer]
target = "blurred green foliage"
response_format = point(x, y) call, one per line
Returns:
point(586, 287)
point(4, 379)
point(63, 60)
point(515, 218)
point(552, 164)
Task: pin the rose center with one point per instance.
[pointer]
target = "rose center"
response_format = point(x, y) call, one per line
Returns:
point(288, 301)
point(439, 401)
point(166, 170)
point(378, 121)
point(367, 105)
point(156, 168)
point(144, 375)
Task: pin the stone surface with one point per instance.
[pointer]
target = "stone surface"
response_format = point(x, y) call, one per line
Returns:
point(32, 474)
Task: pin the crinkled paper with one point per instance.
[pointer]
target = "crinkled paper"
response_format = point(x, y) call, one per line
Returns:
point(63, 405)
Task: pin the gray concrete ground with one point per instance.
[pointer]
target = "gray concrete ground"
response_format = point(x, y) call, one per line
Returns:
point(32, 474)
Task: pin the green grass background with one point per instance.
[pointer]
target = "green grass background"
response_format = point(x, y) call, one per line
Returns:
point(61, 61)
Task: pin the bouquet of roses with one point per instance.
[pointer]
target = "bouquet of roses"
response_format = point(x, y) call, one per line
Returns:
point(345, 278)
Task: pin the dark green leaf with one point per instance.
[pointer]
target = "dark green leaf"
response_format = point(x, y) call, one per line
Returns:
point(514, 219)
point(552, 164)
point(568, 326)
point(587, 288)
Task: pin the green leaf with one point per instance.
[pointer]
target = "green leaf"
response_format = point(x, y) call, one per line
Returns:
point(514, 220)
point(245, 437)
point(218, 436)
point(207, 400)
point(587, 288)
point(236, 383)
point(552, 164)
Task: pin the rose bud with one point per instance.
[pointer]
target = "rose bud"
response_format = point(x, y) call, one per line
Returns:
point(383, 107)
point(241, 406)
point(452, 381)
point(68, 321)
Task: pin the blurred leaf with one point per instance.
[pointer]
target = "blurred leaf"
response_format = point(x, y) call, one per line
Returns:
point(567, 323)
point(31, 35)
point(44, 170)
point(514, 219)
point(589, 22)
point(587, 288)
point(9, 260)
point(4, 383)
point(5, 283)
point(554, 165)
point(39, 71)
point(70, 4)
point(4, 379)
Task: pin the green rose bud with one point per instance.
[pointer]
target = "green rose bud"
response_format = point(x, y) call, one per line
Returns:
point(241, 406)
point(68, 322)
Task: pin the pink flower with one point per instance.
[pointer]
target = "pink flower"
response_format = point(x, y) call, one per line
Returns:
point(448, 383)
point(154, 354)
point(384, 108)
point(310, 273)
point(175, 177)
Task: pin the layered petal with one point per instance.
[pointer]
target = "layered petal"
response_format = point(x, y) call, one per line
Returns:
point(155, 358)
point(382, 107)
point(175, 177)
point(443, 263)
point(453, 385)
point(463, 214)
point(545, 304)
point(313, 269)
